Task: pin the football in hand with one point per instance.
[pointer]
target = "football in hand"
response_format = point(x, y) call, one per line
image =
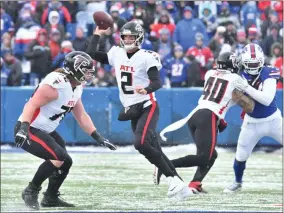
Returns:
point(103, 20)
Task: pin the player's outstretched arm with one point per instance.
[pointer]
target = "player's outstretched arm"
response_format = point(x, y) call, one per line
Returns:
point(243, 101)
point(92, 47)
point(88, 126)
point(264, 96)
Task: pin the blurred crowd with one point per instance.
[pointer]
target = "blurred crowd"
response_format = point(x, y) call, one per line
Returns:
point(188, 35)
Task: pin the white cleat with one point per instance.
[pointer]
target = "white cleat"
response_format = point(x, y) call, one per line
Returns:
point(178, 189)
point(235, 187)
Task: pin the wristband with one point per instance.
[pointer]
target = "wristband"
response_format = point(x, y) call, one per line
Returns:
point(96, 135)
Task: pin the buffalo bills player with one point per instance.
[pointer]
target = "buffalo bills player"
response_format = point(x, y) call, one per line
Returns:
point(259, 82)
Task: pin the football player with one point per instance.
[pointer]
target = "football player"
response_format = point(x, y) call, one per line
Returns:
point(137, 75)
point(259, 82)
point(207, 119)
point(58, 94)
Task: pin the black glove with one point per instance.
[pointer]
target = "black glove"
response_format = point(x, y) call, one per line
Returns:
point(22, 135)
point(103, 141)
point(222, 125)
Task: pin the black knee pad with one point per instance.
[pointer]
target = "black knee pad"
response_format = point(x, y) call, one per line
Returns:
point(61, 154)
point(67, 164)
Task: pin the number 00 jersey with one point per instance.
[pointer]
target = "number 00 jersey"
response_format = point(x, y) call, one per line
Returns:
point(217, 93)
point(48, 117)
point(132, 72)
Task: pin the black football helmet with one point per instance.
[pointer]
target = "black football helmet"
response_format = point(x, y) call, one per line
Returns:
point(132, 28)
point(227, 62)
point(79, 66)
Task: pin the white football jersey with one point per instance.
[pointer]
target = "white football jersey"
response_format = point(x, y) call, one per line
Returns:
point(217, 92)
point(48, 117)
point(132, 72)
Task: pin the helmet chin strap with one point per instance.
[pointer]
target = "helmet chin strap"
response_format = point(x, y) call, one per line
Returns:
point(129, 46)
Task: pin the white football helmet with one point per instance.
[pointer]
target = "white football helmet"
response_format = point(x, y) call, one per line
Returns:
point(252, 58)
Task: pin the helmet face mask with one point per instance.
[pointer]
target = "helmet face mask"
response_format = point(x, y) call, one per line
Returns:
point(227, 62)
point(131, 29)
point(252, 59)
point(79, 66)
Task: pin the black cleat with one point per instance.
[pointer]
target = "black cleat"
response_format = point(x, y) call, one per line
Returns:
point(157, 176)
point(30, 196)
point(53, 200)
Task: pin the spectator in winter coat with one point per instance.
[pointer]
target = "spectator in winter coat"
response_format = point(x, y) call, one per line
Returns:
point(53, 23)
point(210, 5)
point(187, 28)
point(230, 34)
point(65, 17)
point(172, 10)
point(114, 12)
point(163, 22)
point(209, 20)
point(177, 67)
point(11, 71)
point(276, 52)
point(6, 44)
point(241, 42)
point(269, 40)
point(79, 43)
point(25, 34)
point(193, 72)
point(253, 36)
point(225, 16)
point(164, 45)
point(249, 15)
point(38, 52)
point(72, 7)
point(217, 41)
point(6, 22)
point(202, 54)
point(271, 20)
point(66, 47)
point(54, 43)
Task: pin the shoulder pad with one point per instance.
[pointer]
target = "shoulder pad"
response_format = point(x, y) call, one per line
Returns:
point(269, 72)
point(56, 80)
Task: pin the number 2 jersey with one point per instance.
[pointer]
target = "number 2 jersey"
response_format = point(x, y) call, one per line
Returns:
point(132, 72)
point(217, 93)
point(48, 117)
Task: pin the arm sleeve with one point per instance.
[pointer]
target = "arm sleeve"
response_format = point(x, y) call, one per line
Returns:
point(155, 81)
point(96, 55)
point(267, 94)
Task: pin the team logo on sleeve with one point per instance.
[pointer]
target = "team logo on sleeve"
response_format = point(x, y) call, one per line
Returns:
point(80, 63)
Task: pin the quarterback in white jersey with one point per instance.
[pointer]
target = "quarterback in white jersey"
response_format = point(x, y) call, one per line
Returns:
point(59, 93)
point(206, 119)
point(259, 82)
point(137, 75)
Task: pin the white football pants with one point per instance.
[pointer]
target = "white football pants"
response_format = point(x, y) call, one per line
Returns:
point(251, 133)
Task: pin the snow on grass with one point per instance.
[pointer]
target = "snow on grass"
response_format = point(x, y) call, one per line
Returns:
point(105, 180)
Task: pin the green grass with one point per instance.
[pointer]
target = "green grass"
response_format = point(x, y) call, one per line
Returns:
point(108, 181)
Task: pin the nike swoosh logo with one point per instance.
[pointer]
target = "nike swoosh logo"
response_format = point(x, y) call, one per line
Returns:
point(173, 188)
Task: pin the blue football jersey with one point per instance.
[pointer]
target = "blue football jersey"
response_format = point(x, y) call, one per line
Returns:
point(256, 81)
point(177, 69)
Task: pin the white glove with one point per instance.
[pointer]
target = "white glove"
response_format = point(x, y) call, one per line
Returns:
point(241, 84)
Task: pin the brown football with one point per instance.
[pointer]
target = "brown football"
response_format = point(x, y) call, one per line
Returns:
point(103, 20)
